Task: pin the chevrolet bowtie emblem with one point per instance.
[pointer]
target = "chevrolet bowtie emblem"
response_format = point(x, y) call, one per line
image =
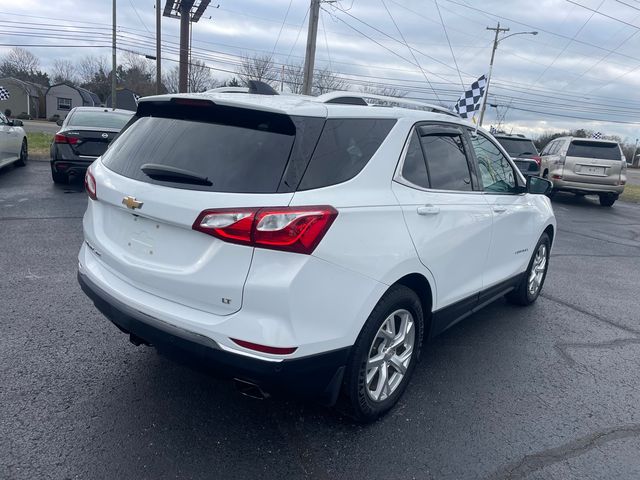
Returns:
point(131, 202)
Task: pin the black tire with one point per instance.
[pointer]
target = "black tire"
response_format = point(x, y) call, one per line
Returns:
point(522, 295)
point(59, 178)
point(356, 400)
point(24, 154)
point(607, 200)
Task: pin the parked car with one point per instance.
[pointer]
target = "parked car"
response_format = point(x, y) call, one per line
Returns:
point(523, 152)
point(586, 166)
point(84, 135)
point(13, 142)
point(280, 239)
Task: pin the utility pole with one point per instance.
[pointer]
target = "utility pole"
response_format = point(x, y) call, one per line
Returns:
point(113, 59)
point(185, 47)
point(158, 47)
point(310, 55)
point(493, 54)
point(182, 9)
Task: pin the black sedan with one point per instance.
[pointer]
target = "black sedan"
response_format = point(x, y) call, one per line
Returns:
point(85, 135)
point(523, 152)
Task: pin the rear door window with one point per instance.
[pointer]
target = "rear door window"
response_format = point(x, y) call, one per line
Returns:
point(345, 146)
point(414, 168)
point(446, 162)
point(246, 152)
point(590, 149)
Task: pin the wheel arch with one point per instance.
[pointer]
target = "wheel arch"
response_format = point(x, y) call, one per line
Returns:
point(420, 285)
point(549, 230)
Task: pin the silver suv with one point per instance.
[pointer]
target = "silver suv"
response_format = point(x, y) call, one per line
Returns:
point(586, 166)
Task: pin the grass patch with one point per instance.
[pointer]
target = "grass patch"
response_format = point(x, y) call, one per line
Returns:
point(631, 193)
point(39, 143)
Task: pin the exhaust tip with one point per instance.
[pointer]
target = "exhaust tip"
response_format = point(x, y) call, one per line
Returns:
point(249, 389)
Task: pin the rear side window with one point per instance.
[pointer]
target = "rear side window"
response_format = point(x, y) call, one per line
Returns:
point(246, 153)
point(446, 162)
point(344, 148)
point(590, 149)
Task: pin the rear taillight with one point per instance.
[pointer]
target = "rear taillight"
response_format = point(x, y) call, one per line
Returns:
point(292, 229)
point(60, 138)
point(90, 184)
point(538, 160)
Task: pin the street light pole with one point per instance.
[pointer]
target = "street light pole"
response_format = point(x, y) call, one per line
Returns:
point(496, 41)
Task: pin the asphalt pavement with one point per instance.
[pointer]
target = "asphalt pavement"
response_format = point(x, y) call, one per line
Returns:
point(545, 392)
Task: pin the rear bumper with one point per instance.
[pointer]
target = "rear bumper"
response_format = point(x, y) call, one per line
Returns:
point(586, 188)
point(317, 376)
point(71, 167)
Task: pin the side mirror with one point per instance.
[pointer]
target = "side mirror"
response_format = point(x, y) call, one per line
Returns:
point(59, 122)
point(538, 185)
point(16, 123)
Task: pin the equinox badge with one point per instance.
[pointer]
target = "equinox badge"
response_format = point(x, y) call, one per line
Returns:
point(131, 202)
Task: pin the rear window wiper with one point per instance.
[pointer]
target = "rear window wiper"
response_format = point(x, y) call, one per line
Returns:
point(167, 173)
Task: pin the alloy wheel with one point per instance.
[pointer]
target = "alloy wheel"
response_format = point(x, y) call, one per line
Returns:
point(539, 266)
point(390, 354)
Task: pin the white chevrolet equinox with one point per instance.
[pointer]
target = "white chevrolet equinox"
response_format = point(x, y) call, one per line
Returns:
point(308, 245)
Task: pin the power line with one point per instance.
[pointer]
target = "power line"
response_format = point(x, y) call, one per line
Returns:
point(449, 42)
point(282, 27)
point(566, 45)
point(138, 15)
point(408, 48)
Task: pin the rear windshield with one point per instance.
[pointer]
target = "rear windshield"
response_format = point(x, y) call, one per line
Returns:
point(233, 158)
point(518, 147)
point(599, 150)
point(245, 151)
point(99, 119)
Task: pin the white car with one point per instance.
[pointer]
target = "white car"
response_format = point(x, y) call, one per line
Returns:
point(307, 244)
point(13, 142)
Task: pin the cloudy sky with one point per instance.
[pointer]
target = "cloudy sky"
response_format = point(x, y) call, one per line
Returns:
point(581, 71)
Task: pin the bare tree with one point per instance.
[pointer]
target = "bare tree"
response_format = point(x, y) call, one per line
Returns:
point(63, 71)
point(385, 91)
point(293, 76)
point(258, 67)
point(200, 78)
point(20, 59)
point(171, 80)
point(91, 65)
point(24, 65)
point(327, 81)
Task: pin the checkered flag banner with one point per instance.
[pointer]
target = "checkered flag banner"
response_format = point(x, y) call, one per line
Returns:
point(469, 102)
point(596, 135)
point(4, 93)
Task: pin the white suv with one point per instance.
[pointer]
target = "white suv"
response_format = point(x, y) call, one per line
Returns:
point(306, 244)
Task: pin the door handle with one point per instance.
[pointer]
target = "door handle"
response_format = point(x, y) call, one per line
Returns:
point(428, 210)
point(499, 209)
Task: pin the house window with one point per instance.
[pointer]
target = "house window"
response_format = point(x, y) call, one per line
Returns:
point(64, 103)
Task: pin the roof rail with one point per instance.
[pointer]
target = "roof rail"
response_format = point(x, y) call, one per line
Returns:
point(354, 98)
point(255, 86)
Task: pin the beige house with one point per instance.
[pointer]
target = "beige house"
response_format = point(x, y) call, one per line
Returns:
point(61, 98)
point(24, 97)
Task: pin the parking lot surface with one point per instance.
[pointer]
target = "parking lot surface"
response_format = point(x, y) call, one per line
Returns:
point(545, 392)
